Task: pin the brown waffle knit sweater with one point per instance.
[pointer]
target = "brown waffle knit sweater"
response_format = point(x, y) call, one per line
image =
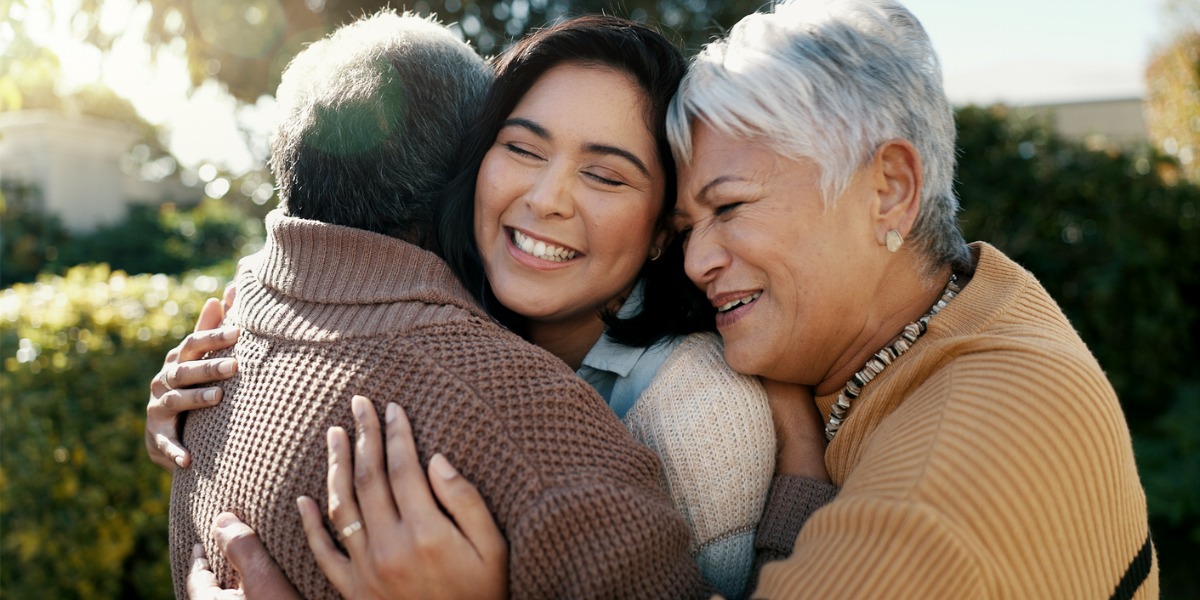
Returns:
point(992, 460)
point(328, 312)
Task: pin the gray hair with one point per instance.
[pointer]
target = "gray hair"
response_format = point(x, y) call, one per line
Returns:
point(829, 81)
point(370, 122)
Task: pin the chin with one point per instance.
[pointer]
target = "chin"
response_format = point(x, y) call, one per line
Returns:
point(740, 360)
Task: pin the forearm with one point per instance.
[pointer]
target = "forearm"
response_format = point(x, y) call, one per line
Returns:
point(791, 502)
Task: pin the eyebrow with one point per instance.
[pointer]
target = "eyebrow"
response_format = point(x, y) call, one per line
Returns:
point(534, 128)
point(715, 182)
point(701, 196)
point(619, 152)
point(541, 132)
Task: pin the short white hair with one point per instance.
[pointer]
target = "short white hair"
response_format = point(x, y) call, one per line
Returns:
point(829, 81)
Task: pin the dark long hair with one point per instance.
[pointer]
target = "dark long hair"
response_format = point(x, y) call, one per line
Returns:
point(671, 304)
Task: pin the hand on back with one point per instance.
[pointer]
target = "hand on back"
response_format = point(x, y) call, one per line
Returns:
point(171, 393)
point(399, 543)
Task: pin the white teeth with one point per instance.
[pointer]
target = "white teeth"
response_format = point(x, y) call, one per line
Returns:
point(541, 249)
point(740, 301)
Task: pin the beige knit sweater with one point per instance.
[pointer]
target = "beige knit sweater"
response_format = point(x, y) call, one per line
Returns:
point(328, 312)
point(712, 428)
point(990, 461)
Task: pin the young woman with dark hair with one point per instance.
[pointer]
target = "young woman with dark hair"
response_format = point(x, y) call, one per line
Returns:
point(559, 222)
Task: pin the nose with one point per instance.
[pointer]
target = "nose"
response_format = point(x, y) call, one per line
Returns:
point(704, 256)
point(552, 195)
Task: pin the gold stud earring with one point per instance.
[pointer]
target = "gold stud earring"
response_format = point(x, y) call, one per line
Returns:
point(894, 240)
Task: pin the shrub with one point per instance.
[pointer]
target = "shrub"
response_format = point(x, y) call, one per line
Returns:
point(149, 239)
point(29, 238)
point(83, 511)
point(166, 239)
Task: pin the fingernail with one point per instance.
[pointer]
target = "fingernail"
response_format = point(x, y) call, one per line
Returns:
point(392, 410)
point(442, 467)
point(179, 461)
point(224, 520)
point(359, 405)
point(226, 366)
point(230, 332)
point(210, 395)
point(198, 551)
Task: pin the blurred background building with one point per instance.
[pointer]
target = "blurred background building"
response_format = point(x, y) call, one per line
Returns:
point(82, 167)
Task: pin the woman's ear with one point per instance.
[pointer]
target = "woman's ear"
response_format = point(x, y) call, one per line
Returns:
point(897, 178)
point(663, 235)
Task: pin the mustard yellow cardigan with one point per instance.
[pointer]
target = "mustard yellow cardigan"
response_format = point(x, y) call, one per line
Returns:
point(992, 460)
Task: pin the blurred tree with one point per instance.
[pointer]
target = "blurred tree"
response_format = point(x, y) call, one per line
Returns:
point(245, 44)
point(1173, 87)
point(28, 73)
point(29, 238)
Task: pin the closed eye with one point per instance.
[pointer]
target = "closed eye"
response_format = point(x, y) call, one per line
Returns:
point(725, 209)
point(603, 180)
point(519, 151)
point(684, 235)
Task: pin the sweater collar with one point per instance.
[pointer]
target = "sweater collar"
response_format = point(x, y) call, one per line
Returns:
point(333, 264)
point(997, 283)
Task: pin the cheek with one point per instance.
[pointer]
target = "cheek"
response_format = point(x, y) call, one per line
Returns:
point(626, 228)
point(489, 194)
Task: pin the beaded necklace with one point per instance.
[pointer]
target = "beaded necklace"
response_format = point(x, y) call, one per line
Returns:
point(876, 364)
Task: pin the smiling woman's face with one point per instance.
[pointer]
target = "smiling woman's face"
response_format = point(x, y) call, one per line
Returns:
point(793, 281)
point(568, 198)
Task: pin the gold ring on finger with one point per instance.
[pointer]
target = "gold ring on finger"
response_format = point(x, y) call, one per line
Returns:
point(349, 530)
point(165, 382)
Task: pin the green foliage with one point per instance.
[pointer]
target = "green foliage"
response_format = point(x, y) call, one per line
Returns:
point(29, 238)
point(83, 511)
point(1115, 237)
point(164, 239)
point(150, 239)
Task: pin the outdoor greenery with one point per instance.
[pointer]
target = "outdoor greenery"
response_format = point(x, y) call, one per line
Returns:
point(83, 511)
point(150, 239)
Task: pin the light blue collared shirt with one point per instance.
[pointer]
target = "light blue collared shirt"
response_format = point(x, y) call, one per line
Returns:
point(621, 373)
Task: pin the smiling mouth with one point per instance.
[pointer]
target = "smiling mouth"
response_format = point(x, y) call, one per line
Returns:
point(732, 304)
point(540, 249)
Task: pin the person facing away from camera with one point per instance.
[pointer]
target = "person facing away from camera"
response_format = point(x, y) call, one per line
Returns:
point(343, 301)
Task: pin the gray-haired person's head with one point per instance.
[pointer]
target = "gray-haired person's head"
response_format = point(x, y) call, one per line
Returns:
point(829, 81)
point(370, 121)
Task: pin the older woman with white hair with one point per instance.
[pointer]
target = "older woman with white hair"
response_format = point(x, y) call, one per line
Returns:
point(979, 448)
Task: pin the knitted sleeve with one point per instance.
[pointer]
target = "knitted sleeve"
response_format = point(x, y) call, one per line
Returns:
point(712, 429)
point(792, 501)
